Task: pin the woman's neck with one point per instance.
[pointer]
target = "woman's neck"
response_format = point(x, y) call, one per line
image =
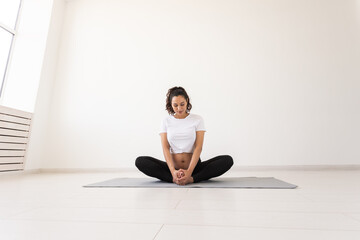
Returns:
point(181, 116)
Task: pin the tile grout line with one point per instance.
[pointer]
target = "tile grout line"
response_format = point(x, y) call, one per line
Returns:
point(199, 225)
point(158, 231)
point(179, 201)
point(53, 206)
point(13, 216)
point(348, 215)
point(261, 227)
point(177, 204)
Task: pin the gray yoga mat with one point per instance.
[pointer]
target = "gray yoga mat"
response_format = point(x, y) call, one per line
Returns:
point(234, 182)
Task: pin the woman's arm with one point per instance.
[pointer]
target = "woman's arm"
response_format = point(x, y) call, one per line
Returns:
point(166, 150)
point(197, 151)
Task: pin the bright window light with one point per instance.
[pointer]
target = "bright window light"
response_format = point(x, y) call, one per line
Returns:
point(8, 12)
point(5, 43)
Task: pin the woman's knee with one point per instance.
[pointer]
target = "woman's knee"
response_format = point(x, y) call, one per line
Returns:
point(140, 162)
point(228, 160)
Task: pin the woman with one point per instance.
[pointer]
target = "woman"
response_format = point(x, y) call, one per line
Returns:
point(182, 137)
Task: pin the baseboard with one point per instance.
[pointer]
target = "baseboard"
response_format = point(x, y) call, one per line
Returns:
point(236, 168)
point(86, 170)
point(19, 172)
point(299, 168)
point(353, 167)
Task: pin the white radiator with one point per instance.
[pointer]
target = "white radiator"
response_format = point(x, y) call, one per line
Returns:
point(14, 135)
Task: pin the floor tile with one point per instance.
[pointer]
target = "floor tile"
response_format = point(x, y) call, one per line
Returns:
point(8, 211)
point(354, 216)
point(270, 206)
point(180, 232)
point(114, 202)
point(59, 230)
point(199, 217)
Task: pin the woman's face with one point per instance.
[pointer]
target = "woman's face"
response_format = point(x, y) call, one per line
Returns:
point(179, 105)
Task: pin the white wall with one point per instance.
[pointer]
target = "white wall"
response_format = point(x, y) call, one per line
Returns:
point(39, 129)
point(277, 82)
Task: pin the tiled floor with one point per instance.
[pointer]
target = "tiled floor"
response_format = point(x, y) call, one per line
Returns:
point(53, 206)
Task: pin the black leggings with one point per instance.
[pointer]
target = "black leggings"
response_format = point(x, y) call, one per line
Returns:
point(213, 167)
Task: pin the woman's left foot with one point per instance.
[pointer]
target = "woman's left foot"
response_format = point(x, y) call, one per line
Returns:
point(188, 181)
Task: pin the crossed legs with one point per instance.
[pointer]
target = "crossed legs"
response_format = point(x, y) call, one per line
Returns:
point(211, 168)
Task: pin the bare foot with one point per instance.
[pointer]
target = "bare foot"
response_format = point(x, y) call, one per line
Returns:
point(186, 181)
point(190, 180)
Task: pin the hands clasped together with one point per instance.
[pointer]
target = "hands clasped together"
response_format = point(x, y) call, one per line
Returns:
point(182, 177)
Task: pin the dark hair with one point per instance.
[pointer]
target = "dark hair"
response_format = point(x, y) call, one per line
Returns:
point(174, 92)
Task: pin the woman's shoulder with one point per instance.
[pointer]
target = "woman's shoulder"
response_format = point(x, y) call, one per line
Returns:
point(196, 116)
point(166, 118)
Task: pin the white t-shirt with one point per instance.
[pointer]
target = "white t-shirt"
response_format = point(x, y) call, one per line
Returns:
point(181, 133)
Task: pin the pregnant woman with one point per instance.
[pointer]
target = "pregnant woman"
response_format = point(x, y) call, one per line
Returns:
point(182, 136)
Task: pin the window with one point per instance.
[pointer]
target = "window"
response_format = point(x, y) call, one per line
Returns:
point(9, 10)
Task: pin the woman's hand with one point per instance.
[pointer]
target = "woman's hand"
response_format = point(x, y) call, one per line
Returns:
point(185, 178)
point(177, 174)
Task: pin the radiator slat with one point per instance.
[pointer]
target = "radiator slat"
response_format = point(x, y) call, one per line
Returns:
point(14, 126)
point(11, 167)
point(5, 139)
point(12, 146)
point(12, 153)
point(8, 118)
point(15, 112)
point(8, 160)
point(14, 133)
